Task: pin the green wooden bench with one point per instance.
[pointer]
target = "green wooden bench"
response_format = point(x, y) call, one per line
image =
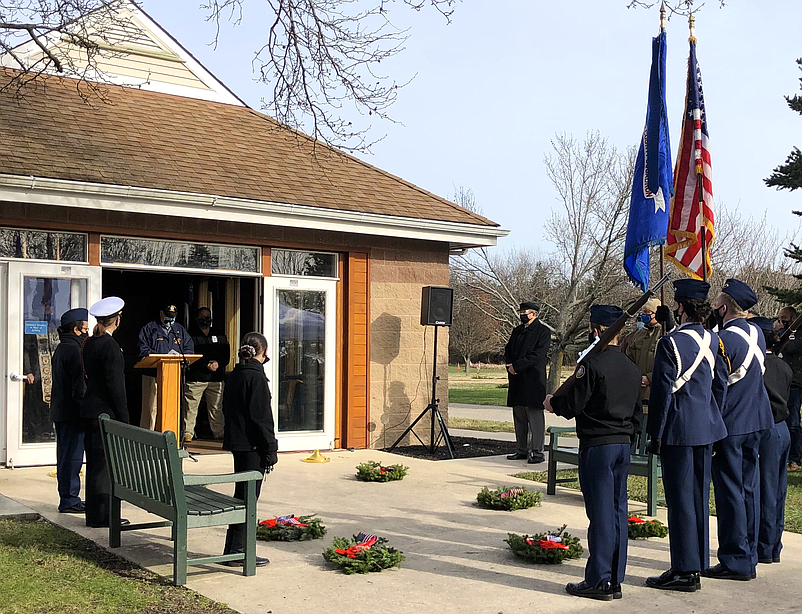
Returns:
point(145, 469)
point(641, 463)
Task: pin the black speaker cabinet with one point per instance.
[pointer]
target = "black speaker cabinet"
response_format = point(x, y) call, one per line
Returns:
point(436, 306)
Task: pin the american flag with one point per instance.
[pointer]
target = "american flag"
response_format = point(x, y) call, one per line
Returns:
point(684, 240)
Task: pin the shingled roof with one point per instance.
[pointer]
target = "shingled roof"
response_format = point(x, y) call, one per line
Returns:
point(153, 140)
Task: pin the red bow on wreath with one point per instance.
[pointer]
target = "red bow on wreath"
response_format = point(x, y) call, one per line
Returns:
point(287, 521)
point(366, 540)
point(636, 520)
point(551, 542)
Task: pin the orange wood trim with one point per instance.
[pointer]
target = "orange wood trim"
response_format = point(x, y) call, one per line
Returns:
point(267, 259)
point(94, 249)
point(357, 362)
point(169, 396)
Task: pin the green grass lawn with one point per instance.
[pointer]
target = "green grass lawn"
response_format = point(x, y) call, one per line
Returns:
point(489, 426)
point(637, 492)
point(481, 394)
point(46, 568)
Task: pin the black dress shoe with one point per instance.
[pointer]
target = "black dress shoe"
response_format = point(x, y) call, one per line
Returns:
point(603, 592)
point(719, 572)
point(535, 460)
point(766, 560)
point(672, 581)
point(261, 561)
point(516, 456)
point(617, 593)
point(775, 559)
point(78, 508)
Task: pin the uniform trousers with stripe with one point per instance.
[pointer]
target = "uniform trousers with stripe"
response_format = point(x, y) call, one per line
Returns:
point(774, 446)
point(736, 483)
point(686, 479)
point(603, 474)
point(98, 480)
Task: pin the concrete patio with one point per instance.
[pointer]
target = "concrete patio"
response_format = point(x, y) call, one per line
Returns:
point(456, 559)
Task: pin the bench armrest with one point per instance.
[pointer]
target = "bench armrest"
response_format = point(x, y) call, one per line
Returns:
point(227, 478)
point(561, 429)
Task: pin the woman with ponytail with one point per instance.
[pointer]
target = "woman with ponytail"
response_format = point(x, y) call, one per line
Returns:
point(248, 432)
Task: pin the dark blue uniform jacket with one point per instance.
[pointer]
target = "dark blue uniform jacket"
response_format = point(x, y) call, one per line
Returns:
point(691, 416)
point(747, 408)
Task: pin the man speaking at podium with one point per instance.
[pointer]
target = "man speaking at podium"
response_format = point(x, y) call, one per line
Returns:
point(162, 336)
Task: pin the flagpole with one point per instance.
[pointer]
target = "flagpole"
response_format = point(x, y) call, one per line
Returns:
point(699, 171)
point(663, 245)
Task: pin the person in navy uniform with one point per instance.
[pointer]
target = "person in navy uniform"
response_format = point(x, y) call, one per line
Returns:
point(525, 358)
point(69, 387)
point(792, 355)
point(689, 386)
point(249, 432)
point(162, 336)
point(606, 402)
point(105, 394)
point(746, 413)
point(774, 448)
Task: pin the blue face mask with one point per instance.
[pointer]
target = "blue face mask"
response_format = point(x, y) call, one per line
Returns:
point(645, 318)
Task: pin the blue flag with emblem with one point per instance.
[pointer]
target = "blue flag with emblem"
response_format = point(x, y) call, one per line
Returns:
point(653, 182)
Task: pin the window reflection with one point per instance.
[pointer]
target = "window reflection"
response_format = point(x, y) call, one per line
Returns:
point(301, 359)
point(307, 264)
point(42, 245)
point(146, 252)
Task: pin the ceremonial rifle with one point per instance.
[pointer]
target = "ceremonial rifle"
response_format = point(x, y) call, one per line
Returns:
point(786, 336)
point(609, 334)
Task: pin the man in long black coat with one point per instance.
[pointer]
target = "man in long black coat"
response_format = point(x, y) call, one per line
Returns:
point(525, 357)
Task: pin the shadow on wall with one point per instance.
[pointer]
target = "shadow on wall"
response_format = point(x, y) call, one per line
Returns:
point(385, 347)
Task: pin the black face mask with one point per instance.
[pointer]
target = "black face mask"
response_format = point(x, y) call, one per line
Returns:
point(204, 322)
point(719, 318)
point(524, 319)
point(677, 316)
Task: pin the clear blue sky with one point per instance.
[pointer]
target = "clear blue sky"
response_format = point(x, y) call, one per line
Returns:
point(494, 86)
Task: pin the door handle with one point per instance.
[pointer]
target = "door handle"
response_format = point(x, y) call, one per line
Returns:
point(16, 377)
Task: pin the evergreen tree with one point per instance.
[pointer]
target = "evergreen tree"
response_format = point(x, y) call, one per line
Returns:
point(788, 176)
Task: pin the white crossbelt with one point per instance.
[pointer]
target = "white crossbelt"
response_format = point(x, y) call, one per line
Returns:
point(705, 353)
point(753, 352)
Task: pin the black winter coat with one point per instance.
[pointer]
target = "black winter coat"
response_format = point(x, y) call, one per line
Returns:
point(69, 385)
point(777, 379)
point(526, 351)
point(247, 410)
point(105, 379)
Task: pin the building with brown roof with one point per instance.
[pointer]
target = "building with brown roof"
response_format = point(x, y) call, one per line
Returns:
point(167, 187)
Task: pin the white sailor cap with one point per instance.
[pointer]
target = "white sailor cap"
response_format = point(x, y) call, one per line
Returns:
point(107, 307)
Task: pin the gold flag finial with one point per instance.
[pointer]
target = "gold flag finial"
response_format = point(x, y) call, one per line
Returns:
point(662, 15)
point(692, 27)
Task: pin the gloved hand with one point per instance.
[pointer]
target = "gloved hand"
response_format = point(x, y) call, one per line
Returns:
point(663, 315)
point(269, 459)
point(653, 447)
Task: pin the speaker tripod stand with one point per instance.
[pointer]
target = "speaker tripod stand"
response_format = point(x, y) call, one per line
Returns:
point(434, 408)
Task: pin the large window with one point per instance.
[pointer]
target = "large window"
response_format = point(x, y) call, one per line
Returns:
point(178, 255)
point(303, 264)
point(42, 245)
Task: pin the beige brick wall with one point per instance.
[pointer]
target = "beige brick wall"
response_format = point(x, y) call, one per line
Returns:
point(400, 348)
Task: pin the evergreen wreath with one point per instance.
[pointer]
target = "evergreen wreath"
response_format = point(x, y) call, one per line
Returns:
point(352, 556)
point(371, 471)
point(291, 528)
point(545, 548)
point(506, 498)
point(643, 529)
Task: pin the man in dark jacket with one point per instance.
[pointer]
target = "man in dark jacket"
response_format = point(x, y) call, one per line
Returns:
point(205, 375)
point(67, 394)
point(774, 446)
point(606, 402)
point(525, 355)
point(792, 355)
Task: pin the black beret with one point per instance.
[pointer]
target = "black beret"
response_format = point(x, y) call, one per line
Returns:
point(740, 293)
point(74, 315)
point(529, 305)
point(695, 289)
point(762, 323)
point(605, 315)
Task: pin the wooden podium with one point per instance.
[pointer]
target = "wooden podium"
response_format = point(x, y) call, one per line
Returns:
point(168, 388)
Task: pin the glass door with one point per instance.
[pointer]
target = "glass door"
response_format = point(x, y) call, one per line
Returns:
point(38, 294)
point(300, 326)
